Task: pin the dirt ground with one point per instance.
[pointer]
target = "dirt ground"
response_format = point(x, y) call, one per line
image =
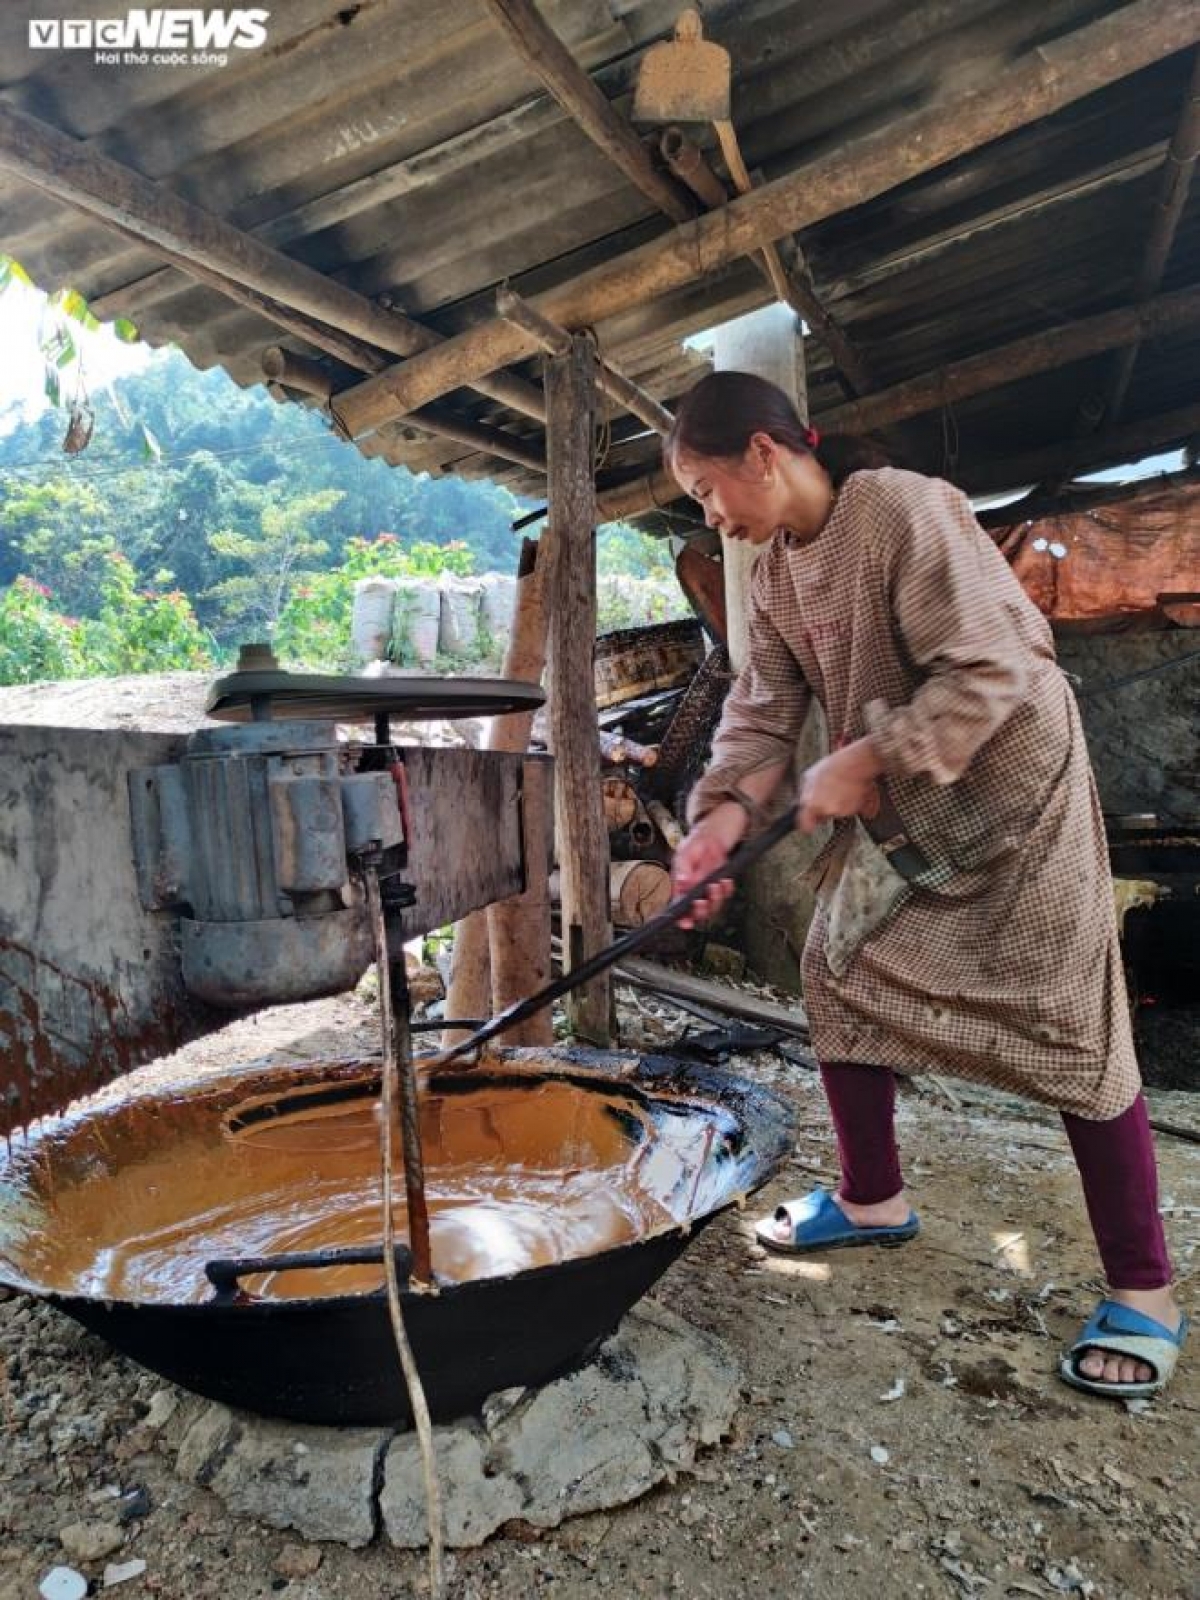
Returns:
point(902, 1431)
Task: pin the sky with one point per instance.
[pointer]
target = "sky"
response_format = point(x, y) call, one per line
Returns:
point(22, 369)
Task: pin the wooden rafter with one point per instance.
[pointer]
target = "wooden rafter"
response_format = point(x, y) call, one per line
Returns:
point(192, 238)
point(438, 420)
point(542, 50)
point(1035, 86)
point(1075, 455)
point(558, 341)
point(1021, 358)
point(1178, 170)
point(536, 42)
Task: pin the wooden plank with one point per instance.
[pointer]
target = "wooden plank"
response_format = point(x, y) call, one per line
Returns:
point(713, 996)
point(574, 731)
point(1035, 86)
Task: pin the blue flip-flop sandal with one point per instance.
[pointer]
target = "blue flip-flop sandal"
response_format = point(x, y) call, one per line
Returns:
point(817, 1222)
point(1125, 1332)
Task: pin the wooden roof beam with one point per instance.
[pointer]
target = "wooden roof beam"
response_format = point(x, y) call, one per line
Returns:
point(1053, 463)
point(536, 42)
point(1021, 358)
point(190, 237)
point(438, 420)
point(557, 341)
point(793, 285)
point(1044, 81)
point(1178, 170)
point(545, 54)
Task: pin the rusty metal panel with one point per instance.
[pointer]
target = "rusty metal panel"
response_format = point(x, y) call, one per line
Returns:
point(90, 984)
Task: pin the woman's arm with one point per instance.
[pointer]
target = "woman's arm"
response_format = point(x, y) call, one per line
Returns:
point(954, 601)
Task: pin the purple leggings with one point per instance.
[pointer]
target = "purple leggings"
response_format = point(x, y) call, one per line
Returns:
point(1115, 1161)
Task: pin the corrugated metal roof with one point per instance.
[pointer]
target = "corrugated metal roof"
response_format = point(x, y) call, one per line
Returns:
point(406, 151)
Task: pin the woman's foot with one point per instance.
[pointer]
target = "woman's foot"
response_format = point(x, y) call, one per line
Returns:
point(893, 1213)
point(1109, 1367)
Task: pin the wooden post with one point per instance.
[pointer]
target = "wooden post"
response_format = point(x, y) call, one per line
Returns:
point(519, 928)
point(571, 598)
point(502, 952)
point(469, 992)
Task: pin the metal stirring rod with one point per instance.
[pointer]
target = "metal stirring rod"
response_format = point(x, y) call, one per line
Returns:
point(744, 856)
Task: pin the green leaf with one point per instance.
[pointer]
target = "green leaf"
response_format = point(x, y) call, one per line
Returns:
point(73, 304)
point(11, 271)
point(52, 387)
point(125, 330)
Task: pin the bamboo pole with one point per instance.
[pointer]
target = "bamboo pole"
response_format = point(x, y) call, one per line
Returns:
point(1035, 86)
point(188, 236)
point(545, 54)
point(571, 601)
point(1038, 352)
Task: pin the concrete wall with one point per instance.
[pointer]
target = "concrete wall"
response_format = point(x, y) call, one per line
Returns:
point(1143, 737)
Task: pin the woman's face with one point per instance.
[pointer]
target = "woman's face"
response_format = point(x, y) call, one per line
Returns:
point(740, 496)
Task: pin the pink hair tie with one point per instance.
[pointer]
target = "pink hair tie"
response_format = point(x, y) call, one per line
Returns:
point(813, 437)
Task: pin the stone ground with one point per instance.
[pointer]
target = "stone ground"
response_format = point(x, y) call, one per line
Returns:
point(901, 1433)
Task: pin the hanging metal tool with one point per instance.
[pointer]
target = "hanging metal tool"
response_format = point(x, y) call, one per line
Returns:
point(687, 79)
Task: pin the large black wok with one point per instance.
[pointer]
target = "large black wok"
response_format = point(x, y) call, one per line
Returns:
point(284, 1339)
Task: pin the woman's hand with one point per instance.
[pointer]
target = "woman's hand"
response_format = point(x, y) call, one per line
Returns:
point(841, 785)
point(705, 848)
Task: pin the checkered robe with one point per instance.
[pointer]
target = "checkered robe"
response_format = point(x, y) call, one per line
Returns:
point(904, 620)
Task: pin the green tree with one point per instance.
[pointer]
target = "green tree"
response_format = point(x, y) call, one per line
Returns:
point(278, 557)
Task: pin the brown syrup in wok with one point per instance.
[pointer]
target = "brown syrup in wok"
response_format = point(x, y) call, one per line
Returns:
point(517, 1176)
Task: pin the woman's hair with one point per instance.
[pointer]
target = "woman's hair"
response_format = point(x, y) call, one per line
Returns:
point(720, 415)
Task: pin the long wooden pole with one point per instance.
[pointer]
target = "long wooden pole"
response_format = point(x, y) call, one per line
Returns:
point(1039, 84)
point(186, 233)
point(1039, 352)
point(571, 602)
point(438, 420)
point(545, 54)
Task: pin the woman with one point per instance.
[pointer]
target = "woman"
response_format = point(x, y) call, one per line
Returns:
point(965, 919)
